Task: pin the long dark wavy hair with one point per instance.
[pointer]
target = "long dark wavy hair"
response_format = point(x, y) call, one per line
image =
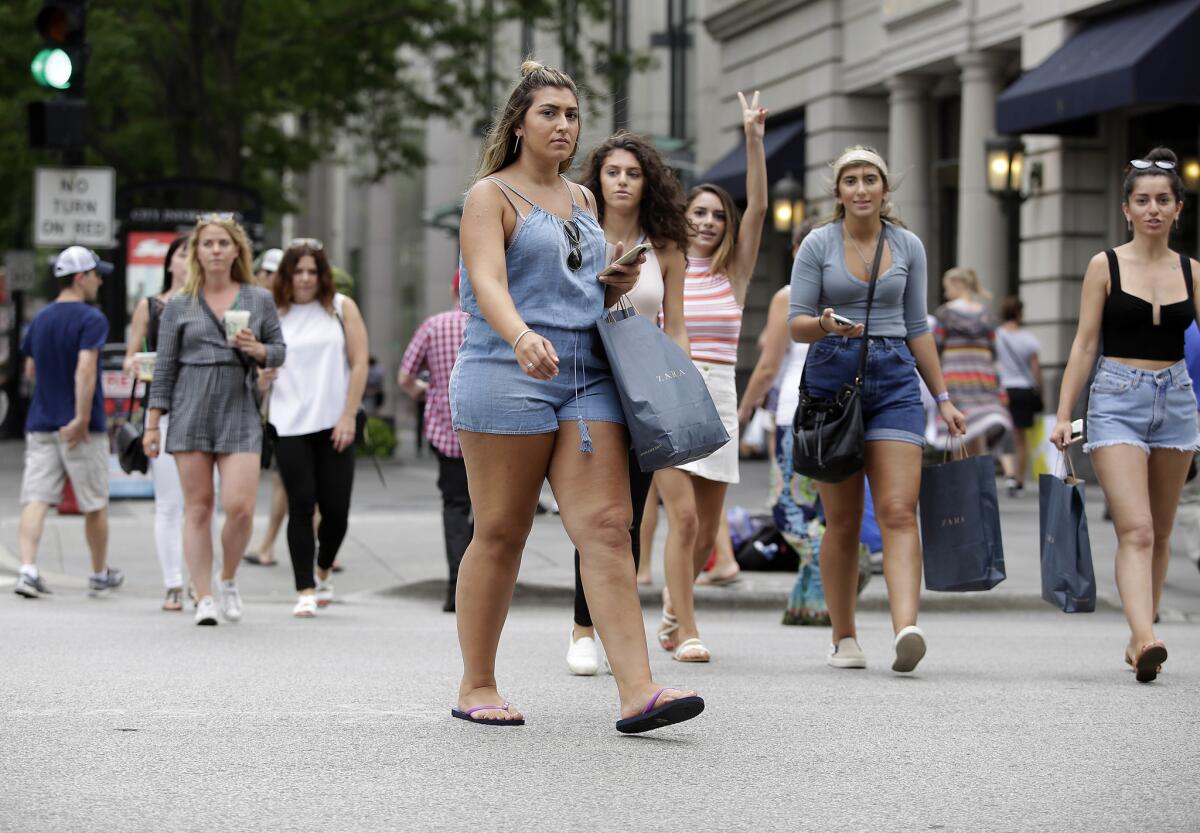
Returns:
point(282, 288)
point(661, 211)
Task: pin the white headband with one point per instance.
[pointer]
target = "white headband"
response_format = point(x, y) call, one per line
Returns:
point(860, 155)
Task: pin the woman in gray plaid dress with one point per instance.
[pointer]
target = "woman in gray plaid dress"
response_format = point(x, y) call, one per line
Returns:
point(206, 382)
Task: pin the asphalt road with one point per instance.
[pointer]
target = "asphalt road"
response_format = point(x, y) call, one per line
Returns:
point(115, 716)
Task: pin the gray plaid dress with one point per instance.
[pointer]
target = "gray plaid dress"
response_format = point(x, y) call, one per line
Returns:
point(199, 380)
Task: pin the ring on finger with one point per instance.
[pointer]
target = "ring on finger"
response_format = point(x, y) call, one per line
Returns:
point(528, 365)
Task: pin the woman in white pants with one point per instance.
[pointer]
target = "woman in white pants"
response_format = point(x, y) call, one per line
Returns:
point(168, 496)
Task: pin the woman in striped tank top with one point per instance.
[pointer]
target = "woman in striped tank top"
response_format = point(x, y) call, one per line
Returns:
point(720, 263)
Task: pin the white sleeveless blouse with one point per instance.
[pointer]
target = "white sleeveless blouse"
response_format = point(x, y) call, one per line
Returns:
point(310, 393)
point(647, 294)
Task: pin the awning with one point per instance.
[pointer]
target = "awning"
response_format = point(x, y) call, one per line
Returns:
point(1147, 55)
point(784, 148)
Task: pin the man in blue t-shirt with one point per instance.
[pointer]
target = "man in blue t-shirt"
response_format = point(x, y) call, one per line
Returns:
point(65, 432)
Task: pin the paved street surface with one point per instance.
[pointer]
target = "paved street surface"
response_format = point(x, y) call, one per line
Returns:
point(117, 716)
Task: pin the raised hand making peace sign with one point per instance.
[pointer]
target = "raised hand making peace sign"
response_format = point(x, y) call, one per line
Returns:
point(754, 118)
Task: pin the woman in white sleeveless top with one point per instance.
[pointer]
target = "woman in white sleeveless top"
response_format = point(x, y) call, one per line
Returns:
point(638, 199)
point(314, 402)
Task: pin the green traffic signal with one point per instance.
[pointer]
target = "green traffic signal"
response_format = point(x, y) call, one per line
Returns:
point(53, 68)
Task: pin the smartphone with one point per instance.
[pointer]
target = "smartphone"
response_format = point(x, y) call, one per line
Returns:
point(843, 320)
point(628, 258)
point(1077, 430)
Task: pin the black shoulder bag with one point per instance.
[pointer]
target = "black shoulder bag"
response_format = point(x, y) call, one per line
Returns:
point(829, 437)
point(130, 453)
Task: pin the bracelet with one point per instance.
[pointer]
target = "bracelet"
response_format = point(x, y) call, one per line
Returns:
point(517, 340)
point(151, 427)
point(944, 396)
point(820, 320)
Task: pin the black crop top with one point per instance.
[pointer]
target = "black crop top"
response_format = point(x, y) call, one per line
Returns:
point(1128, 327)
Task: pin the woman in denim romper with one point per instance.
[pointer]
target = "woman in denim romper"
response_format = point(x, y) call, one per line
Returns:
point(1138, 299)
point(833, 270)
point(532, 397)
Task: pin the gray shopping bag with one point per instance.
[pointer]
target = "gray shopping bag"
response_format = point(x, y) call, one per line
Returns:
point(1068, 579)
point(960, 525)
point(668, 410)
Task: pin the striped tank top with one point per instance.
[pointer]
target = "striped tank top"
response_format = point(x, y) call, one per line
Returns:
point(711, 313)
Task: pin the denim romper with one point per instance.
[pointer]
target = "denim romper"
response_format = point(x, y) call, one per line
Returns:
point(489, 392)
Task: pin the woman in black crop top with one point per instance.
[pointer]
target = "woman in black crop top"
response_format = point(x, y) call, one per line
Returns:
point(1138, 299)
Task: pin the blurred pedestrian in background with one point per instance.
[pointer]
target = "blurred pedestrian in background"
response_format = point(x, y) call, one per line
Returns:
point(1021, 379)
point(168, 494)
point(532, 253)
point(1138, 301)
point(966, 339)
point(266, 266)
point(214, 335)
point(638, 199)
point(314, 405)
point(65, 427)
point(433, 348)
point(720, 263)
point(1186, 537)
point(831, 274)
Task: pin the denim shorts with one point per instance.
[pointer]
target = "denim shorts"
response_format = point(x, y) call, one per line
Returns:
point(490, 394)
point(1145, 408)
point(891, 396)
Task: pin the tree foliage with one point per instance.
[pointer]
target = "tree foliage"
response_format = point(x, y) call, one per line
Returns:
point(203, 88)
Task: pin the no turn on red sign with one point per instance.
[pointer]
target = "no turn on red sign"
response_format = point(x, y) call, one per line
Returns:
point(73, 206)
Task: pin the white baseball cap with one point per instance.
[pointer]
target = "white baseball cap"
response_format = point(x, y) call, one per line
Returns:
point(271, 259)
point(75, 259)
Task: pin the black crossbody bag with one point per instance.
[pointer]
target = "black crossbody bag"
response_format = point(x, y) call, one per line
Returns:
point(829, 436)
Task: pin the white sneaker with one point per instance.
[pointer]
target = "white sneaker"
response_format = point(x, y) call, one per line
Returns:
point(206, 611)
point(582, 657)
point(324, 592)
point(306, 606)
point(910, 647)
point(846, 654)
point(231, 602)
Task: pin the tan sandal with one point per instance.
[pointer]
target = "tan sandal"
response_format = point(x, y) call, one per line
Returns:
point(698, 652)
point(666, 627)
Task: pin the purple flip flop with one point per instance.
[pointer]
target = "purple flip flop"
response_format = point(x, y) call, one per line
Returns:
point(489, 721)
point(676, 711)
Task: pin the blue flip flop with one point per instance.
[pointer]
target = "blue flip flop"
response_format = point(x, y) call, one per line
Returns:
point(676, 711)
point(488, 721)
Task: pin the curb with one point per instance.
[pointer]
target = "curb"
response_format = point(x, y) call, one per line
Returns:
point(538, 594)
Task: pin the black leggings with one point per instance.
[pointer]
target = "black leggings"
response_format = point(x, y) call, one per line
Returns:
point(315, 476)
point(639, 488)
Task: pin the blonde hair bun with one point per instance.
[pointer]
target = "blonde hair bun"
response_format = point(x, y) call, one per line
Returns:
point(529, 67)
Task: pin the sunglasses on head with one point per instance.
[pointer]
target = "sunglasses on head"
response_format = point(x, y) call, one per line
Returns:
point(306, 243)
point(1145, 164)
point(575, 251)
point(216, 216)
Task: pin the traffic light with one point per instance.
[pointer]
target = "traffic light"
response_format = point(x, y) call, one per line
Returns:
point(61, 122)
point(60, 63)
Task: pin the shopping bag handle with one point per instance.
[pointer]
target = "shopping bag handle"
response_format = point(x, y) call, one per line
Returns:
point(623, 306)
point(960, 453)
point(1066, 463)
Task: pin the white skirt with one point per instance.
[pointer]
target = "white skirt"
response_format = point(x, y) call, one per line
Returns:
point(722, 464)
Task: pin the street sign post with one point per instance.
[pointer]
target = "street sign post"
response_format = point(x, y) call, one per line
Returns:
point(19, 269)
point(73, 206)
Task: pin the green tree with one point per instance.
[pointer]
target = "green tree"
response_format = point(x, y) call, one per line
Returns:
point(200, 88)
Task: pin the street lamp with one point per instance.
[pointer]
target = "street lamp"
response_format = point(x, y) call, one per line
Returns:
point(787, 203)
point(1191, 174)
point(1005, 162)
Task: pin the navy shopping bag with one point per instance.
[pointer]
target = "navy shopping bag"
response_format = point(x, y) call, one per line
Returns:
point(1068, 579)
point(960, 525)
point(668, 410)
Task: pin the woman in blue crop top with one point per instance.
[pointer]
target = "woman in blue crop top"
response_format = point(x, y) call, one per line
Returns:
point(832, 270)
point(1138, 300)
point(532, 398)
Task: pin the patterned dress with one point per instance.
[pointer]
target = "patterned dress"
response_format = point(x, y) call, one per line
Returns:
point(966, 341)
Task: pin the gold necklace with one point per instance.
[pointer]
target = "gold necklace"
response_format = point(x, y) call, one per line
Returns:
point(858, 251)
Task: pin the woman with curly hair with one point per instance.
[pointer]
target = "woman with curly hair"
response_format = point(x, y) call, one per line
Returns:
point(638, 199)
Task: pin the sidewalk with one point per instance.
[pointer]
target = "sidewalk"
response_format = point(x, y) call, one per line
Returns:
point(395, 546)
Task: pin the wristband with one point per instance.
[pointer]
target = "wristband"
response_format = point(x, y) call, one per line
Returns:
point(522, 335)
point(151, 427)
point(944, 396)
point(821, 323)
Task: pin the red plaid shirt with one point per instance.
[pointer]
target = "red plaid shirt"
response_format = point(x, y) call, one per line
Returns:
point(435, 347)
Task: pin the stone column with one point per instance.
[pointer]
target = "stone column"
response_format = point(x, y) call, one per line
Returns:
point(982, 229)
point(908, 151)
